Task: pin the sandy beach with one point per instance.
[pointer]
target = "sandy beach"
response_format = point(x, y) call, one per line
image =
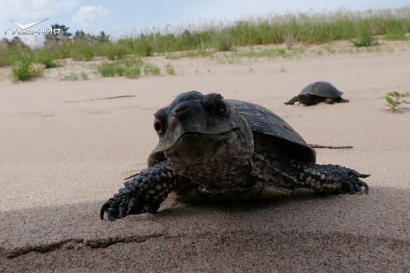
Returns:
point(67, 145)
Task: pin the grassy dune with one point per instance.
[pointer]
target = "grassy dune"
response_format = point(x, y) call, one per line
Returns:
point(361, 28)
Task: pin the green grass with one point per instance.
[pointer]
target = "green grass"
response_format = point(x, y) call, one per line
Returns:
point(25, 69)
point(170, 69)
point(127, 67)
point(132, 72)
point(190, 54)
point(45, 58)
point(361, 28)
point(130, 68)
point(83, 52)
point(74, 76)
point(150, 69)
point(364, 36)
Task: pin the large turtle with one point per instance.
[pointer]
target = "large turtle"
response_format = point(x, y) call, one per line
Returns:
point(215, 148)
point(318, 92)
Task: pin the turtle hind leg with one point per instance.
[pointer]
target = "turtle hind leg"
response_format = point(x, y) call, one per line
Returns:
point(329, 178)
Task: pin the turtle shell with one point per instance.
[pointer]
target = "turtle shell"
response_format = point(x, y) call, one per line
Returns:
point(321, 89)
point(274, 129)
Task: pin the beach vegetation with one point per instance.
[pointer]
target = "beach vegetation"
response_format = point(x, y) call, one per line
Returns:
point(150, 69)
point(130, 68)
point(132, 72)
point(25, 69)
point(362, 28)
point(364, 36)
point(74, 76)
point(169, 68)
point(395, 99)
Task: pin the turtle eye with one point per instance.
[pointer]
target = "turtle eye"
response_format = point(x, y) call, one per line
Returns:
point(158, 126)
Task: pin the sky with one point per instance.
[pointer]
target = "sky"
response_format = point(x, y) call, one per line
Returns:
point(125, 17)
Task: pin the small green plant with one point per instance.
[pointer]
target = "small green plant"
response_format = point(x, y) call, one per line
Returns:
point(130, 68)
point(21, 70)
point(25, 69)
point(170, 69)
point(394, 99)
point(73, 76)
point(132, 72)
point(114, 52)
point(364, 36)
point(84, 76)
point(395, 34)
point(106, 69)
point(152, 70)
point(396, 30)
point(84, 52)
point(47, 60)
point(224, 42)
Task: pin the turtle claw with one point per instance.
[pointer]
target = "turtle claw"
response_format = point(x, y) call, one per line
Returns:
point(109, 207)
point(116, 208)
point(104, 209)
point(353, 184)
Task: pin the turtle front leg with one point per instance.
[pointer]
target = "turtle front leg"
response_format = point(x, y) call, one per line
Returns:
point(329, 178)
point(292, 101)
point(341, 100)
point(143, 193)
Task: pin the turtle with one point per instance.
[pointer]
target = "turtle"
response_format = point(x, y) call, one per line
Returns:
point(211, 148)
point(317, 92)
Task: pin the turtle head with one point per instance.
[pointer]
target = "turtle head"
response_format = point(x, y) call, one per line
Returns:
point(197, 129)
point(192, 116)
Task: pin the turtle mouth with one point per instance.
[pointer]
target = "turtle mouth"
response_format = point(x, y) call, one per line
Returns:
point(191, 139)
point(206, 143)
point(198, 147)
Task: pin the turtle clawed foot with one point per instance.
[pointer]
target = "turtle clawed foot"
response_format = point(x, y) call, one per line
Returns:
point(106, 208)
point(353, 184)
point(117, 208)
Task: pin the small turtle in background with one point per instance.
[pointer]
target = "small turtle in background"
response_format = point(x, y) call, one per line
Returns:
point(318, 92)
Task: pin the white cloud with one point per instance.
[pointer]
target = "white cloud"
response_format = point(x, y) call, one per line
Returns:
point(87, 14)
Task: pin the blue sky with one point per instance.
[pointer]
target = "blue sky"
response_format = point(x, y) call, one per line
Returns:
point(119, 18)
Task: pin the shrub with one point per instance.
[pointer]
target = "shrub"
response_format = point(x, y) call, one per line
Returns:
point(170, 69)
point(25, 69)
point(152, 70)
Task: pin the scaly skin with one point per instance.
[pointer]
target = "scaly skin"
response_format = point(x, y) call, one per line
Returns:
point(325, 178)
point(149, 188)
point(143, 193)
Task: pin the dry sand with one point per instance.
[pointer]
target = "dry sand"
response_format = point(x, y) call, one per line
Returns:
point(64, 151)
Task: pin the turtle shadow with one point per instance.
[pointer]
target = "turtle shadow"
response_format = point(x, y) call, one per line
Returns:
point(296, 198)
point(46, 229)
